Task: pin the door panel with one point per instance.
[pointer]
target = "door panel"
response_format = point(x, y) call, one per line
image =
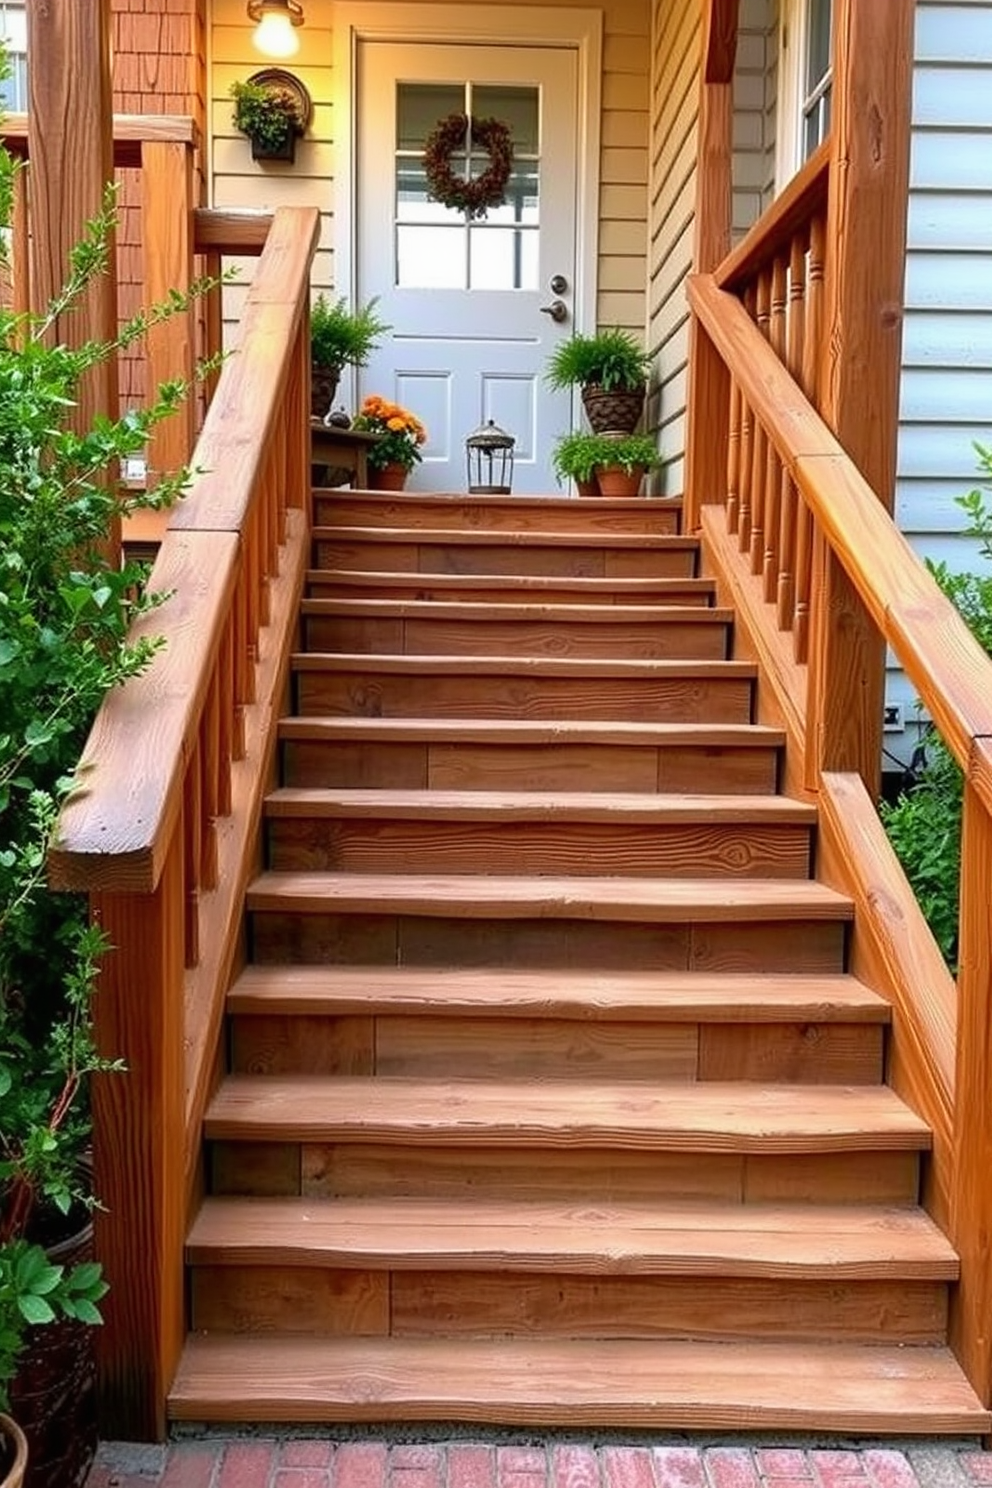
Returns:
point(469, 339)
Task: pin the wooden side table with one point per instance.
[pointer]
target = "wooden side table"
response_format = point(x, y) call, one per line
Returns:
point(347, 449)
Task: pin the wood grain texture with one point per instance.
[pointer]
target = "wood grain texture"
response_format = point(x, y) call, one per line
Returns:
point(664, 1239)
point(167, 246)
point(682, 1385)
point(507, 588)
point(793, 207)
point(516, 514)
point(705, 1117)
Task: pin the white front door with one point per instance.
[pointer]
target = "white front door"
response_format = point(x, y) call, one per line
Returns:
point(466, 299)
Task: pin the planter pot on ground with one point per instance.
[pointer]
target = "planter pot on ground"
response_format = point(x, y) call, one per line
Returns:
point(614, 480)
point(615, 412)
point(587, 487)
point(53, 1394)
point(13, 1453)
point(388, 478)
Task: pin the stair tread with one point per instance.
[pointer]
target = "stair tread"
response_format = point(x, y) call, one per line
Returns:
point(551, 502)
point(387, 578)
point(705, 1116)
point(675, 1239)
point(484, 896)
point(495, 537)
point(508, 805)
point(502, 666)
point(469, 611)
point(674, 1383)
point(523, 731)
point(658, 996)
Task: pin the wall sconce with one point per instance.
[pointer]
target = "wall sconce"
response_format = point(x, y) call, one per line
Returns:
point(275, 31)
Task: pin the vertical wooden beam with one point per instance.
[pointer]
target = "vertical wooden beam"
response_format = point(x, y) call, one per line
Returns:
point(139, 1152)
point(971, 1301)
point(708, 413)
point(70, 143)
point(859, 388)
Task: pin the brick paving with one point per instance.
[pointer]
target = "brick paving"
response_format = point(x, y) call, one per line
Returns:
point(322, 1462)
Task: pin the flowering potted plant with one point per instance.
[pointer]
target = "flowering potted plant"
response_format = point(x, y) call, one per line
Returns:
point(397, 450)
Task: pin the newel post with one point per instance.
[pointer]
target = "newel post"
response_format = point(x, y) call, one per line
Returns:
point(859, 382)
point(708, 412)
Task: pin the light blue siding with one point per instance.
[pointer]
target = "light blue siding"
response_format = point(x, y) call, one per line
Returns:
point(946, 396)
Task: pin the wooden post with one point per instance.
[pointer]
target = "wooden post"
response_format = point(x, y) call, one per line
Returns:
point(708, 412)
point(971, 1301)
point(139, 1152)
point(71, 148)
point(859, 387)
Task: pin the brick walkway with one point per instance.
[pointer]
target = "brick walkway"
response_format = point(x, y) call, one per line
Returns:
point(218, 1462)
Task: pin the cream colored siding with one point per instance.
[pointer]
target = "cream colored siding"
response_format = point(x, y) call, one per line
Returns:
point(238, 181)
point(754, 138)
point(675, 90)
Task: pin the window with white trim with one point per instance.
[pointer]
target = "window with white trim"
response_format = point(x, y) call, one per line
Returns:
point(805, 83)
point(14, 35)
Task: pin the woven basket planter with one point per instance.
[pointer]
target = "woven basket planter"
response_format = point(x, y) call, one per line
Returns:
point(13, 1453)
point(615, 412)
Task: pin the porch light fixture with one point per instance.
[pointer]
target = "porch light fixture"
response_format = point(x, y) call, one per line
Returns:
point(489, 457)
point(275, 32)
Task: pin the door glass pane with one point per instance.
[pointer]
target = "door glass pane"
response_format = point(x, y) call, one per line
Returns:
point(437, 247)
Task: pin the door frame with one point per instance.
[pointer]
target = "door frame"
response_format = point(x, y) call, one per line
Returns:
point(500, 25)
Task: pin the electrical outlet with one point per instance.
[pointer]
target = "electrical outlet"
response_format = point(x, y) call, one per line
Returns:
point(892, 721)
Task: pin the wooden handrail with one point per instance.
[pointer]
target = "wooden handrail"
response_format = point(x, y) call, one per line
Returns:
point(131, 131)
point(230, 230)
point(772, 234)
point(944, 661)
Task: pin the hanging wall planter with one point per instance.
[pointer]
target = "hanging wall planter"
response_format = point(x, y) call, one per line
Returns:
point(273, 108)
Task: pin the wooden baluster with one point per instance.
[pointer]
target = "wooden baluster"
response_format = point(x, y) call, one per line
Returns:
point(213, 321)
point(769, 557)
point(276, 510)
point(192, 834)
point(812, 349)
point(20, 255)
point(297, 423)
point(253, 581)
point(230, 745)
point(210, 768)
point(971, 1304)
point(268, 562)
point(747, 447)
point(752, 541)
point(789, 499)
point(167, 246)
point(243, 672)
point(734, 459)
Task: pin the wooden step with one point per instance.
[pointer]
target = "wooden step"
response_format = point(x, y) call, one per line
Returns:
point(704, 1117)
point(528, 688)
point(756, 925)
point(480, 1268)
point(521, 832)
point(466, 754)
point(557, 514)
point(508, 588)
point(453, 1022)
point(579, 554)
point(675, 1384)
point(422, 628)
point(752, 1240)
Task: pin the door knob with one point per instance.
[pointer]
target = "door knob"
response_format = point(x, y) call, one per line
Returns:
point(558, 311)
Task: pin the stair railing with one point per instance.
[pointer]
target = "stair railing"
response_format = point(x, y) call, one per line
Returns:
point(162, 832)
point(776, 446)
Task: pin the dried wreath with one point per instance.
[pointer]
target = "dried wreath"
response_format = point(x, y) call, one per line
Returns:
point(475, 194)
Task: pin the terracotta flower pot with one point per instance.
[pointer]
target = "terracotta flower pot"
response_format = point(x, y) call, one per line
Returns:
point(390, 477)
point(586, 488)
point(13, 1453)
point(615, 481)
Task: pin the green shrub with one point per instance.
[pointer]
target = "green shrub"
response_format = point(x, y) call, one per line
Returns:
point(924, 823)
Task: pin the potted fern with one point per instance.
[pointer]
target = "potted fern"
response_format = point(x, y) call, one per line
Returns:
point(339, 338)
point(611, 370)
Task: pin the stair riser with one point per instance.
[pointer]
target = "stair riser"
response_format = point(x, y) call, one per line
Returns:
point(487, 1303)
point(444, 1047)
point(554, 560)
point(528, 767)
point(658, 640)
point(391, 940)
point(348, 509)
point(355, 1170)
point(575, 849)
point(496, 592)
point(393, 695)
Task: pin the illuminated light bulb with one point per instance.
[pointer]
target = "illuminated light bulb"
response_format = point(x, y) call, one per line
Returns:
point(275, 35)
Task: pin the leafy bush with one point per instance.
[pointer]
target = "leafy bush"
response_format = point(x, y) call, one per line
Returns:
point(924, 823)
point(66, 605)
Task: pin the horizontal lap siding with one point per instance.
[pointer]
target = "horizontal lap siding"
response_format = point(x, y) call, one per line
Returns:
point(237, 181)
point(946, 397)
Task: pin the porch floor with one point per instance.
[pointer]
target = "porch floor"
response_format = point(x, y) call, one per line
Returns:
point(507, 1461)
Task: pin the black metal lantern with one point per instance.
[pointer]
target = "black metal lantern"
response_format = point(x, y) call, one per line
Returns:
point(489, 456)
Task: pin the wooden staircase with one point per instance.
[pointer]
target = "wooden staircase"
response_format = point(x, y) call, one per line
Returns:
point(549, 1097)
